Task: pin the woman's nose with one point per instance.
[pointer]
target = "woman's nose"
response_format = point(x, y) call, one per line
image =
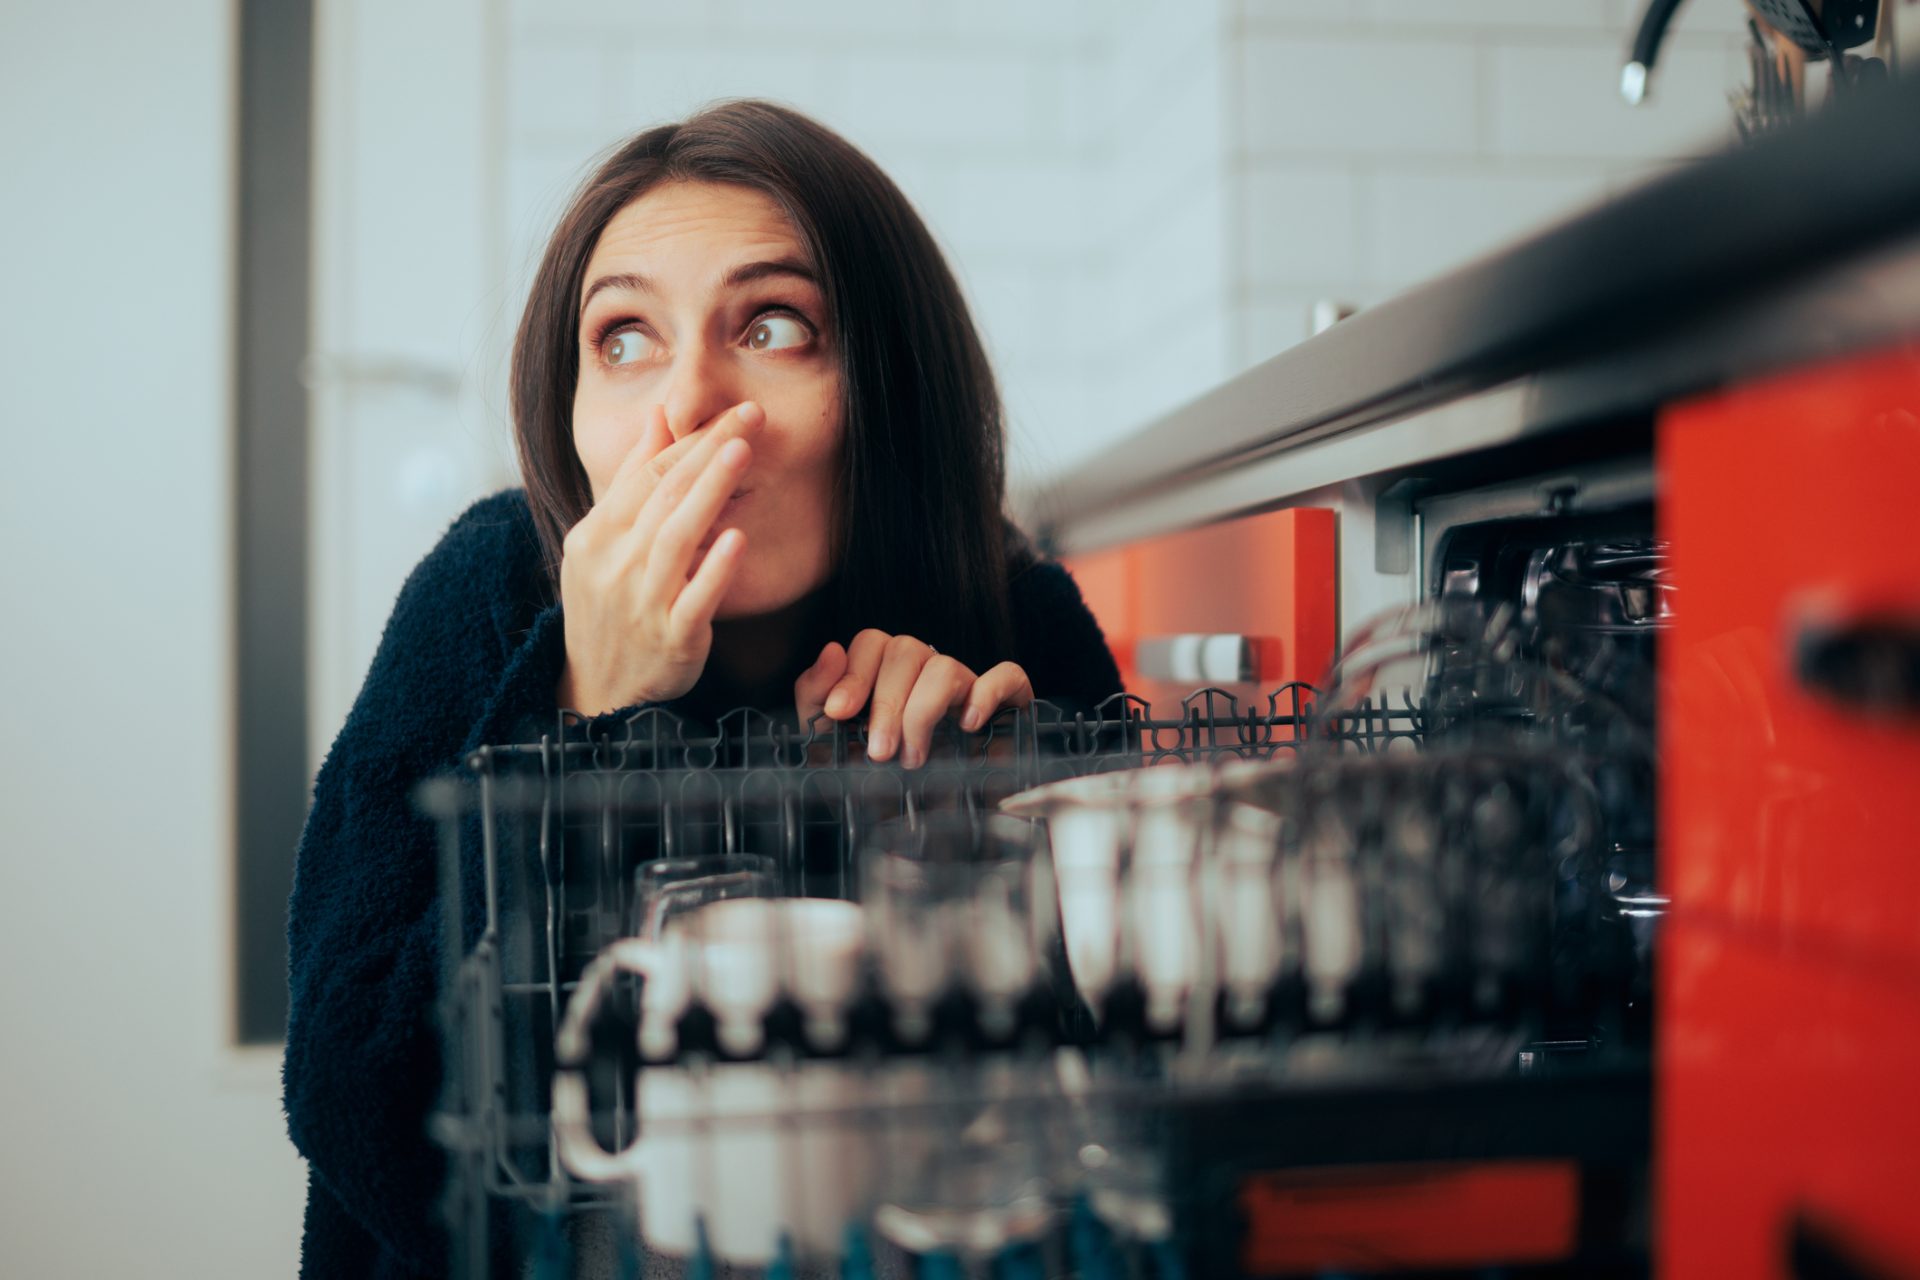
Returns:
point(698, 390)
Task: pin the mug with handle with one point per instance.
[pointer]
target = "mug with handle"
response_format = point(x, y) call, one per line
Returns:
point(749, 1149)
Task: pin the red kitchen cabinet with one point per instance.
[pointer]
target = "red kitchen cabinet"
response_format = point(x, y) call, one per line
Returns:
point(1786, 1104)
point(1790, 975)
point(1270, 577)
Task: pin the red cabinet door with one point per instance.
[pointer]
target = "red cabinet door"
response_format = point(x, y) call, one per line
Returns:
point(1790, 1012)
point(1270, 577)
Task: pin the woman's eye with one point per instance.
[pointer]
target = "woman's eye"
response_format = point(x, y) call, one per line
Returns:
point(777, 333)
point(625, 346)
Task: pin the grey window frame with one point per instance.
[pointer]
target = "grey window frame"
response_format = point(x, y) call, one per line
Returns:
point(273, 280)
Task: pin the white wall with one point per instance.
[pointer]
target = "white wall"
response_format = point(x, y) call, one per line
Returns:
point(136, 1142)
point(411, 318)
point(1378, 143)
point(1158, 330)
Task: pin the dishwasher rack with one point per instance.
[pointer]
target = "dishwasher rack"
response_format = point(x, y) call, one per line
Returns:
point(540, 843)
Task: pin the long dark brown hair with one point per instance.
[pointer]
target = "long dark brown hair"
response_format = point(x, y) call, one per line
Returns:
point(923, 545)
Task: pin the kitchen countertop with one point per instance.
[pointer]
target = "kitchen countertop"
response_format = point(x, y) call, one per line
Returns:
point(1804, 244)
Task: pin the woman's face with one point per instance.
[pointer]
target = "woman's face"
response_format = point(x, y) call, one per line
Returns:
point(699, 296)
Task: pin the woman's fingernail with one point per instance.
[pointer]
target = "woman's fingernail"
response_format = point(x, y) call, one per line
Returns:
point(879, 744)
point(910, 756)
point(750, 414)
point(837, 703)
point(970, 721)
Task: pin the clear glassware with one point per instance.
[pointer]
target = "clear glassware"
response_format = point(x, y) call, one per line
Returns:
point(950, 897)
point(671, 887)
point(976, 1188)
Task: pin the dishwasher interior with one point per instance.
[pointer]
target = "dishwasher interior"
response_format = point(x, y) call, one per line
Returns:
point(1576, 560)
point(1327, 979)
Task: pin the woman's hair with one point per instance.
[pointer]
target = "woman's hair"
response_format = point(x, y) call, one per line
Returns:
point(922, 544)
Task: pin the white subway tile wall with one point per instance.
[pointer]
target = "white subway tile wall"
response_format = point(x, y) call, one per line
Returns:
point(1143, 197)
point(1162, 247)
point(1558, 15)
point(1424, 222)
point(1688, 115)
point(1359, 96)
point(1300, 226)
point(1381, 143)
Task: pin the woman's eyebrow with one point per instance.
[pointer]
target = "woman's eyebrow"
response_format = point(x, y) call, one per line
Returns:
point(745, 273)
point(748, 272)
point(625, 280)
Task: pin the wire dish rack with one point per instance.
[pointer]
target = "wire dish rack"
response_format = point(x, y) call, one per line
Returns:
point(736, 1000)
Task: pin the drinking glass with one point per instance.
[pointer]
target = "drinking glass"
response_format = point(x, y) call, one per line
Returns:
point(671, 887)
point(950, 897)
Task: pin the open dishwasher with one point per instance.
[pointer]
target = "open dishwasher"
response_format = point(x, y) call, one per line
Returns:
point(1121, 992)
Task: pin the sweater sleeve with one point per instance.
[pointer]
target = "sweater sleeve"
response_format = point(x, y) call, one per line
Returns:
point(1059, 640)
point(362, 1065)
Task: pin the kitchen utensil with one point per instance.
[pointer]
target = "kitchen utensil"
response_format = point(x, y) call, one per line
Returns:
point(743, 1150)
point(1124, 849)
point(950, 898)
point(671, 886)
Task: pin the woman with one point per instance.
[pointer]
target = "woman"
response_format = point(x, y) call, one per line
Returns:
point(762, 454)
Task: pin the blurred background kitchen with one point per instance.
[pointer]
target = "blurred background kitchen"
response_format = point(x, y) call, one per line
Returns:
point(262, 263)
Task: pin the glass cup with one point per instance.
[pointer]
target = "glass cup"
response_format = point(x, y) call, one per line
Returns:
point(950, 897)
point(671, 887)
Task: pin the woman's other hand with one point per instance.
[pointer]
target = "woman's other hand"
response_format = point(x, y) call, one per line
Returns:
point(641, 574)
point(910, 687)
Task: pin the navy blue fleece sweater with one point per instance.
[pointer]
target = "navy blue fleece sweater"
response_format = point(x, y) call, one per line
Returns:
point(472, 655)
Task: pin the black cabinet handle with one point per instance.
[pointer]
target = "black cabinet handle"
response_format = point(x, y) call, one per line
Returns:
point(1869, 663)
point(1817, 1251)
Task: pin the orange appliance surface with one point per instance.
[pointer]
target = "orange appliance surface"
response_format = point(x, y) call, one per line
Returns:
point(1420, 1215)
point(1271, 576)
point(1789, 1032)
